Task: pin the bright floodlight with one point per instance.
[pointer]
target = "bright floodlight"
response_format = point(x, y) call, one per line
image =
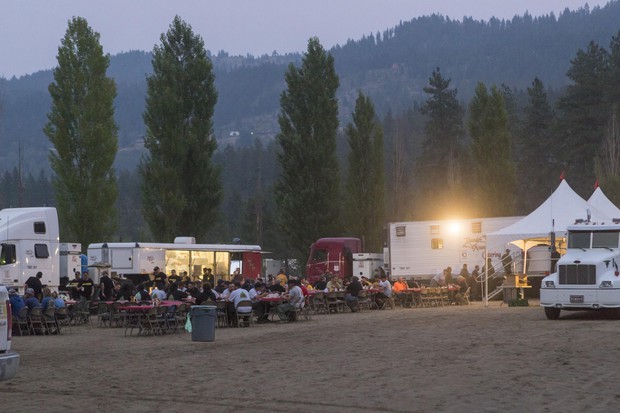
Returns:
point(454, 227)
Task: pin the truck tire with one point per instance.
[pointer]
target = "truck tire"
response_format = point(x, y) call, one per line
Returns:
point(552, 313)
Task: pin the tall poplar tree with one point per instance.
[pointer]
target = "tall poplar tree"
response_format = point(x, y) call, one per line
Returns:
point(181, 188)
point(491, 143)
point(81, 127)
point(307, 189)
point(365, 186)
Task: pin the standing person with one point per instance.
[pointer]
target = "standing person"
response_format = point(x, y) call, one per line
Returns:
point(475, 284)
point(35, 284)
point(159, 278)
point(174, 278)
point(353, 289)
point(507, 262)
point(74, 286)
point(106, 287)
point(207, 276)
point(87, 286)
point(281, 278)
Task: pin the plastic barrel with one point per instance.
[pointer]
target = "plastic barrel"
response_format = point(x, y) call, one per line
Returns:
point(204, 319)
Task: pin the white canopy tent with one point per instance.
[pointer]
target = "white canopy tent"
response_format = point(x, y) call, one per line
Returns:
point(603, 204)
point(559, 211)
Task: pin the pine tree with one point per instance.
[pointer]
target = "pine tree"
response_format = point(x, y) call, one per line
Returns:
point(439, 168)
point(81, 127)
point(491, 142)
point(307, 189)
point(536, 150)
point(365, 183)
point(181, 187)
point(584, 112)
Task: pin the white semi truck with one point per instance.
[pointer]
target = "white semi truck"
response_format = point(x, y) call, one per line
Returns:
point(587, 277)
point(29, 243)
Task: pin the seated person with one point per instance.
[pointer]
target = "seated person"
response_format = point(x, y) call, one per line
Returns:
point(237, 295)
point(353, 290)
point(459, 296)
point(30, 300)
point(158, 294)
point(365, 281)
point(295, 298)
point(17, 302)
point(207, 294)
point(47, 297)
point(261, 308)
point(400, 288)
point(143, 293)
point(277, 288)
point(334, 284)
point(175, 294)
point(321, 284)
point(386, 291)
point(58, 302)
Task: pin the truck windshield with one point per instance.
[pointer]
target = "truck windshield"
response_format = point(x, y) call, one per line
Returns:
point(579, 239)
point(605, 239)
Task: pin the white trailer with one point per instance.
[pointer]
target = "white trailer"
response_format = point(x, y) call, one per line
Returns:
point(367, 264)
point(421, 249)
point(29, 243)
point(136, 260)
point(70, 259)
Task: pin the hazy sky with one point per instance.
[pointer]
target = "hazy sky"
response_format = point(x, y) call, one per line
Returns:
point(30, 30)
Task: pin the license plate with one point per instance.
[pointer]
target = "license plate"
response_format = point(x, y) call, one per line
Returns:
point(576, 299)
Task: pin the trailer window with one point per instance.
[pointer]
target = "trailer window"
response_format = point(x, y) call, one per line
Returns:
point(41, 251)
point(8, 255)
point(437, 243)
point(579, 239)
point(605, 239)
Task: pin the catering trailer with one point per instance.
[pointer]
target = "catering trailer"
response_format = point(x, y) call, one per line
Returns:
point(421, 249)
point(136, 260)
point(29, 242)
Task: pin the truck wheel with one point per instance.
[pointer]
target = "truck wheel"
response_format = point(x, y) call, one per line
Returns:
point(552, 313)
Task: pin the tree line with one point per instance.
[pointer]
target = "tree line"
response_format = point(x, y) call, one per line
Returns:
point(499, 154)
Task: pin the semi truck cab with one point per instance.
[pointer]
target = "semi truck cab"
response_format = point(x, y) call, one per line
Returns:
point(587, 277)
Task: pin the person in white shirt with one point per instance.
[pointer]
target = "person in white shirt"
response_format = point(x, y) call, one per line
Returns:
point(386, 292)
point(261, 308)
point(159, 294)
point(236, 296)
point(295, 299)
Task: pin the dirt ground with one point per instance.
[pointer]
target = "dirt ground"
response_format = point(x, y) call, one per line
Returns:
point(447, 359)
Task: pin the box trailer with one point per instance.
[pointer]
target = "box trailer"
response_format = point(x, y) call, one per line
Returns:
point(421, 249)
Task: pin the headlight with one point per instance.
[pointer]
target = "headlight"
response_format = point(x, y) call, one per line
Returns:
point(606, 284)
point(549, 284)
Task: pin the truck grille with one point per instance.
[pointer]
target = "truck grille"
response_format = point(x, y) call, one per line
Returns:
point(577, 274)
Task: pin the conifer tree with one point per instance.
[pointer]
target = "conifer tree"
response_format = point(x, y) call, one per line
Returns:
point(81, 127)
point(307, 189)
point(181, 188)
point(491, 143)
point(365, 186)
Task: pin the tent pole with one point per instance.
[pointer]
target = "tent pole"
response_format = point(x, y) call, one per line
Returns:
point(486, 277)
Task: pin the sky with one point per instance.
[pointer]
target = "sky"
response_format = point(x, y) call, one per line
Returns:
point(30, 30)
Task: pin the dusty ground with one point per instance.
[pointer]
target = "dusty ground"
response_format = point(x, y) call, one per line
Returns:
point(450, 359)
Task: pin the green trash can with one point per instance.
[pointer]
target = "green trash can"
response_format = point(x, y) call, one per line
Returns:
point(204, 318)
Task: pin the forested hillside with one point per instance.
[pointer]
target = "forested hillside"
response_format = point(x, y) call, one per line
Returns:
point(392, 68)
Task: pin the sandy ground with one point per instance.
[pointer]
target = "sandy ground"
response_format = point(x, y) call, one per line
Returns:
point(450, 359)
